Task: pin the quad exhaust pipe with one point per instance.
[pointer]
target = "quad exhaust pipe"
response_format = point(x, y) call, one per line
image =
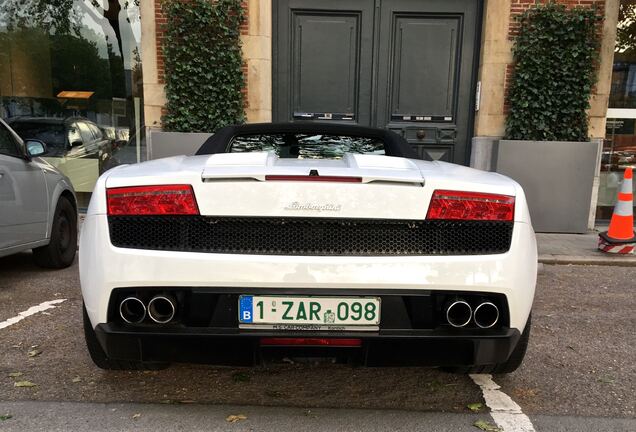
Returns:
point(459, 314)
point(486, 315)
point(161, 309)
point(132, 310)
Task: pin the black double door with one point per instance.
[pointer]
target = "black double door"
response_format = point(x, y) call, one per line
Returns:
point(406, 65)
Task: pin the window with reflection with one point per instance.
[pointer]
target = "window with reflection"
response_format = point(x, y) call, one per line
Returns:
point(70, 75)
point(307, 146)
point(619, 146)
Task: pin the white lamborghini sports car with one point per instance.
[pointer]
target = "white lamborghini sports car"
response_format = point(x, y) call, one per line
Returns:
point(304, 240)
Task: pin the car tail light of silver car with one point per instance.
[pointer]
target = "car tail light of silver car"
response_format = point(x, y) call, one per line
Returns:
point(459, 313)
point(132, 310)
point(152, 200)
point(455, 205)
point(162, 308)
point(486, 315)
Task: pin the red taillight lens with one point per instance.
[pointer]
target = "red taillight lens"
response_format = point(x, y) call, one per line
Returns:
point(454, 205)
point(152, 200)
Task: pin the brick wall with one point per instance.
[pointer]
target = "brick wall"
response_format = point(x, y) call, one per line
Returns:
point(161, 20)
point(517, 7)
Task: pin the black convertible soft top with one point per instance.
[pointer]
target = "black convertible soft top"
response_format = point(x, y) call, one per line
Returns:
point(394, 144)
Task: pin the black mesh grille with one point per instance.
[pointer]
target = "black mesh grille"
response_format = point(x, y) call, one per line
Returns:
point(309, 236)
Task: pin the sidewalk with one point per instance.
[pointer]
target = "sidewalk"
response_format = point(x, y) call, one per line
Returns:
point(578, 249)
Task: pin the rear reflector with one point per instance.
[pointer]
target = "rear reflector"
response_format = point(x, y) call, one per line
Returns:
point(311, 342)
point(457, 205)
point(305, 178)
point(152, 200)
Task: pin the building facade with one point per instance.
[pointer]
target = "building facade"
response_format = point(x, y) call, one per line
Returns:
point(435, 71)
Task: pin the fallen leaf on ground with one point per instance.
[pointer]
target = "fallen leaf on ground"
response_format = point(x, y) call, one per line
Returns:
point(241, 377)
point(4, 417)
point(273, 393)
point(475, 407)
point(524, 392)
point(233, 418)
point(76, 379)
point(15, 374)
point(34, 353)
point(434, 385)
point(606, 380)
point(486, 426)
point(136, 416)
point(24, 384)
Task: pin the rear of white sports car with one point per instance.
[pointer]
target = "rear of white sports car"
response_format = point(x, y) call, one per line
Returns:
point(233, 257)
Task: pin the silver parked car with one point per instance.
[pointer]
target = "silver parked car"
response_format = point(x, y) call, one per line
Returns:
point(38, 208)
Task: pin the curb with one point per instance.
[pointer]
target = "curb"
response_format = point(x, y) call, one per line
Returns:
point(627, 261)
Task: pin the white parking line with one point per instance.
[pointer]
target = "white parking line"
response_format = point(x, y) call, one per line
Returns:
point(504, 411)
point(31, 311)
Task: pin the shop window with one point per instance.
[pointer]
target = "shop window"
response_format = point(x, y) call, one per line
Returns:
point(70, 75)
point(619, 147)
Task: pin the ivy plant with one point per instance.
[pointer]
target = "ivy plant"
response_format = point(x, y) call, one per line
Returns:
point(203, 65)
point(555, 56)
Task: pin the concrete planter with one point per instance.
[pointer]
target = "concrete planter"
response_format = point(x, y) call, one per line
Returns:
point(165, 144)
point(558, 179)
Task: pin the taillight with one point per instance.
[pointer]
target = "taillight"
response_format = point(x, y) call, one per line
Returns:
point(455, 205)
point(152, 200)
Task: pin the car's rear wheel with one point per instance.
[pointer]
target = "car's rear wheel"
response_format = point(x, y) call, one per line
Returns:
point(510, 365)
point(102, 361)
point(60, 252)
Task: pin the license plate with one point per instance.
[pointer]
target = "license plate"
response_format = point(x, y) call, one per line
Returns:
point(309, 313)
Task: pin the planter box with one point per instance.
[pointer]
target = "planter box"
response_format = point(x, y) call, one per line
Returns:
point(165, 144)
point(557, 177)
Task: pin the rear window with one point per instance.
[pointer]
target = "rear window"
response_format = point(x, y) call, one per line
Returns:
point(52, 134)
point(306, 146)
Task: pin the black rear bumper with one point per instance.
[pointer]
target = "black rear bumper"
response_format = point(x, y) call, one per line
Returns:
point(224, 346)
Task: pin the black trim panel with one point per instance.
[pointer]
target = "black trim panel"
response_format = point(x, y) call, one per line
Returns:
point(234, 347)
point(310, 236)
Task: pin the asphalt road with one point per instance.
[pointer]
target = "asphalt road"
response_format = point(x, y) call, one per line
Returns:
point(579, 373)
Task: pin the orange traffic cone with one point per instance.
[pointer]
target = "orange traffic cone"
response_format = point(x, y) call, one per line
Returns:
point(620, 238)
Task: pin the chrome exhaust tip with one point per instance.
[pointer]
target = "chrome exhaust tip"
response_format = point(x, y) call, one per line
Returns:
point(486, 315)
point(162, 308)
point(132, 310)
point(459, 313)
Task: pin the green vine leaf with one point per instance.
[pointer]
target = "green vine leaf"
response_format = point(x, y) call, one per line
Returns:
point(203, 65)
point(555, 56)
